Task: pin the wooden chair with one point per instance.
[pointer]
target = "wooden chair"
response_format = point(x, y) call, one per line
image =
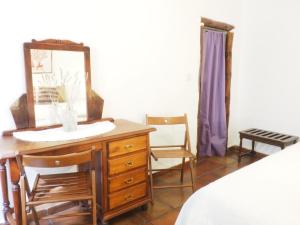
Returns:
point(172, 151)
point(54, 188)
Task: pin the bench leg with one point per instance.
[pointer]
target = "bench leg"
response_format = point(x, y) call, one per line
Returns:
point(240, 150)
point(251, 153)
point(252, 149)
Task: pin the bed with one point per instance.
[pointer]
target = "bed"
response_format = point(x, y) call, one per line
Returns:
point(266, 192)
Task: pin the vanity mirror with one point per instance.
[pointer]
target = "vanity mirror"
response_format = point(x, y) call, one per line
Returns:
point(58, 82)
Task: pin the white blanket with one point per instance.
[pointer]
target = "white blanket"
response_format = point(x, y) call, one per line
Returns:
point(264, 193)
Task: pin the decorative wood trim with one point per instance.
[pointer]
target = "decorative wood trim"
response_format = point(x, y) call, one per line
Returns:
point(216, 24)
point(15, 178)
point(56, 42)
point(4, 190)
point(19, 110)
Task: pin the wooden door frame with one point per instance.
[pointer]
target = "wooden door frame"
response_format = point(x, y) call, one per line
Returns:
point(207, 23)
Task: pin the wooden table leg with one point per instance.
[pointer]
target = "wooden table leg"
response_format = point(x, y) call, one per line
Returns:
point(3, 180)
point(15, 178)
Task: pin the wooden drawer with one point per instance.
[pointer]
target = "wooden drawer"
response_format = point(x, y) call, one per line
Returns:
point(128, 145)
point(127, 195)
point(126, 163)
point(127, 179)
point(96, 146)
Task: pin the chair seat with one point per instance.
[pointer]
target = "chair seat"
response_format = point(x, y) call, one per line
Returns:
point(61, 187)
point(172, 154)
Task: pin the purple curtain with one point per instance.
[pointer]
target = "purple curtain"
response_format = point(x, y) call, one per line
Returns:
point(212, 129)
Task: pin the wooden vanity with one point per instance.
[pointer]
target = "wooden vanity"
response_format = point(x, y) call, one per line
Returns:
point(56, 72)
point(121, 167)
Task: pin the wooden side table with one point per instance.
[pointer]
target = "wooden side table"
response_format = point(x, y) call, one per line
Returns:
point(267, 137)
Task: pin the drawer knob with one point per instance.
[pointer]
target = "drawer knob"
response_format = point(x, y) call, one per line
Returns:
point(57, 162)
point(128, 181)
point(128, 146)
point(129, 163)
point(128, 197)
point(93, 147)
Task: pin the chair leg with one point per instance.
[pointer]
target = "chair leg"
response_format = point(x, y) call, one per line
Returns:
point(182, 170)
point(192, 173)
point(35, 216)
point(23, 201)
point(94, 204)
point(151, 178)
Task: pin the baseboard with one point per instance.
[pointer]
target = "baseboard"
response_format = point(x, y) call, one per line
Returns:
point(236, 149)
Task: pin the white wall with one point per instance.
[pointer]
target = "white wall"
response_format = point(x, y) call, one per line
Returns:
point(144, 54)
point(269, 81)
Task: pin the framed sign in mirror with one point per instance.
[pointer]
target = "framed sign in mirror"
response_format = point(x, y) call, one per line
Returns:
point(58, 81)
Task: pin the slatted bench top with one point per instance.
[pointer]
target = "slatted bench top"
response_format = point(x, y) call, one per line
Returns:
point(269, 137)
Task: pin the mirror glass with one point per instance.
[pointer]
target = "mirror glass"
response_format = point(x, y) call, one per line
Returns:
point(57, 83)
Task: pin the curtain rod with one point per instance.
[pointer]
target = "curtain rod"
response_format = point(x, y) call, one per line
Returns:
point(214, 29)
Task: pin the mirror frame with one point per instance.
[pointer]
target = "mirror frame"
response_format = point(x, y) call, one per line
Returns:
point(53, 44)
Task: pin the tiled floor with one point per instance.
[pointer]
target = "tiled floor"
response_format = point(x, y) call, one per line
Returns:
point(167, 202)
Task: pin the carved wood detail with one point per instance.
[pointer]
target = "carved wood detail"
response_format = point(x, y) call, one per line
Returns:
point(15, 178)
point(3, 179)
point(57, 42)
point(19, 110)
point(96, 108)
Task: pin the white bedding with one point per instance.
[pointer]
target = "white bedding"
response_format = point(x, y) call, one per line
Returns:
point(264, 193)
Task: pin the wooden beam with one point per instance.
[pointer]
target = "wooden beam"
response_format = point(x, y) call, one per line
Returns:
point(216, 24)
point(228, 70)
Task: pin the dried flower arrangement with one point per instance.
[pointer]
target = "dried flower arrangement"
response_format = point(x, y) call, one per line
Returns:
point(61, 92)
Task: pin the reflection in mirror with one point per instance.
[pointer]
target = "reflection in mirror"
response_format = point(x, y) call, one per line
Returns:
point(58, 83)
point(58, 79)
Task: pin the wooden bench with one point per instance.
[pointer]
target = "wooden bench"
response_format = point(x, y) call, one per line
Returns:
point(264, 136)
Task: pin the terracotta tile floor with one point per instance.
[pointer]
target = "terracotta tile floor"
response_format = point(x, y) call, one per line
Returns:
point(167, 202)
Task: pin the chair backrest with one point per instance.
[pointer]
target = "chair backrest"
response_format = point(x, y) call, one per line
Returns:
point(55, 161)
point(175, 120)
point(51, 162)
point(151, 120)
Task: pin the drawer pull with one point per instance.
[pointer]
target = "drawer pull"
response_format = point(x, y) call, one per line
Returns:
point(128, 146)
point(128, 197)
point(128, 181)
point(57, 162)
point(129, 163)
